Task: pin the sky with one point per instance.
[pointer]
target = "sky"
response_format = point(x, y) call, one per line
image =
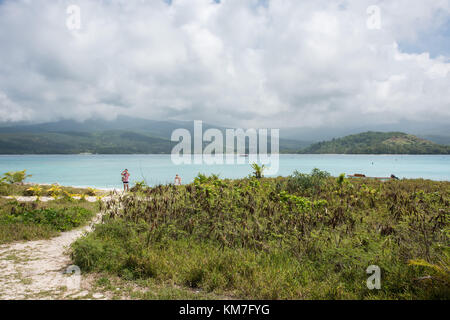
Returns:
point(248, 63)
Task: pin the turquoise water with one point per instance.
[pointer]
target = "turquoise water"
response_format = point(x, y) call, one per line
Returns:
point(103, 171)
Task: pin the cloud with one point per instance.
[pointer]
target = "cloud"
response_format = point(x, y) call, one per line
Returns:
point(239, 63)
point(11, 112)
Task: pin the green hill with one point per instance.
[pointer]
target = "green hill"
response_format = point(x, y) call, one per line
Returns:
point(105, 142)
point(377, 143)
point(123, 136)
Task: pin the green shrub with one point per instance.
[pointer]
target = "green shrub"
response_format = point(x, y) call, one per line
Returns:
point(59, 219)
point(35, 220)
point(258, 172)
point(139, 186)
point(301, 181)
point(341, 179)
point(300, 237)
point(16, 176)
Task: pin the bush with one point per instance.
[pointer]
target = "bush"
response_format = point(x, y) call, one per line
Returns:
point(139, 186)
point(341, 179)
point(59, 219)
point(16, 176)
point(9, 183)
point(259, 170)
point(301, 181)
point(34, 191)
point(91, 192)
point(34, 220)
point(258, 240)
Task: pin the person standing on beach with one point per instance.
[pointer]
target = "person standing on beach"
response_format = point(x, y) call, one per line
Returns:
point(177, 180)
point(125, 179)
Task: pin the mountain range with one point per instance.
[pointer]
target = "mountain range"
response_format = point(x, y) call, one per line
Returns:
point(124, 135)
point(127, 135)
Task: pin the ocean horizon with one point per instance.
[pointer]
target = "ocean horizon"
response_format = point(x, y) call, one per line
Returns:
point(103, 171)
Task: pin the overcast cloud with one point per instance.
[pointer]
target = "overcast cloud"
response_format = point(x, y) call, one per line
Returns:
point(239, 63)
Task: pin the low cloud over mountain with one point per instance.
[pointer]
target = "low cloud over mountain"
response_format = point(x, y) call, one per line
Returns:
point(241, 63)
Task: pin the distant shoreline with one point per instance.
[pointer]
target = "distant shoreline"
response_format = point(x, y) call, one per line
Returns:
point(281, 153)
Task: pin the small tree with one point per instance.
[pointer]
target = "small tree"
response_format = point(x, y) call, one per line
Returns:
point(340, 180)
point(259, 170)
point(16, 176)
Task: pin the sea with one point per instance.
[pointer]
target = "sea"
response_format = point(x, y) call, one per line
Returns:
point(104, 171)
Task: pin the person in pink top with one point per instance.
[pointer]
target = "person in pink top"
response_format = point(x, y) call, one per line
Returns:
point(125, 179)
point(177, 180)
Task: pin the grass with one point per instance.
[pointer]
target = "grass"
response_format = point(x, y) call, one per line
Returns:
point(117, 288)
point(39, 220)
point(302, 237)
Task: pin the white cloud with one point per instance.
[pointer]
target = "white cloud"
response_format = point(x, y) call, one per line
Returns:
point(290, 63)
point(11, 112)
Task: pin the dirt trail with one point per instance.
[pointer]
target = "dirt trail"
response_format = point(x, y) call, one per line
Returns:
point(42, 269)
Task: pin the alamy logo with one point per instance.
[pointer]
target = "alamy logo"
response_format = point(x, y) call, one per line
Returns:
point(73, 21)
point(235, 146)
point(374, 281)
point(374, 20)
point(73, 280)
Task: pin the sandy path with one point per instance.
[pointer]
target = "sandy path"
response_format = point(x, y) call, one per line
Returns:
point(39, 269)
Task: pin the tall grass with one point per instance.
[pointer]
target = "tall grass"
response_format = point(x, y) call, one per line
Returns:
point(302, 237)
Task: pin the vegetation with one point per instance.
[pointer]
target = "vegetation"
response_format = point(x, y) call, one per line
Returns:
point(139, 186)
point(36, 220)
point(15, 176)
point(378, 143)
point(127, 135)
point(39, 220)
point(259, 170)
point(101, 142)
point(45, 190)
point(105, 142)
point(308, 236)
point(14, 189)
point(302, 181)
